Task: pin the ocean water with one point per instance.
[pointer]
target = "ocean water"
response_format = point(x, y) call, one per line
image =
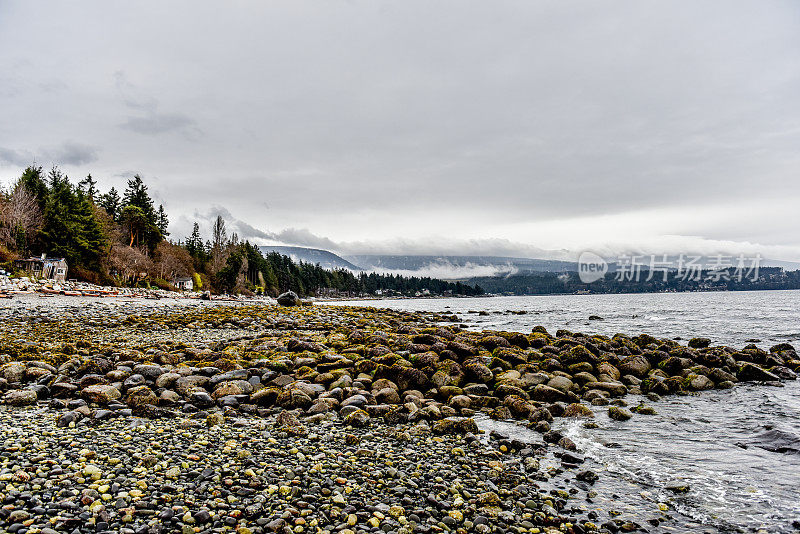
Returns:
point(738, 450)
point(729, 318)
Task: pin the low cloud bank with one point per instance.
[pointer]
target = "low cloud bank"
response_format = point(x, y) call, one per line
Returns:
point(449, 271)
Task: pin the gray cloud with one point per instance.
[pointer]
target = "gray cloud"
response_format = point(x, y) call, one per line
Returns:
point(71, 153)
point(15, 157)
point(67, 153)
point(244, 230)
point(520, 127)
point(158, 123)
point(150, 121)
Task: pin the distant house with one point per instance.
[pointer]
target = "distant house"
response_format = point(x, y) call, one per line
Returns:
point(184, 283)
point(44, 267)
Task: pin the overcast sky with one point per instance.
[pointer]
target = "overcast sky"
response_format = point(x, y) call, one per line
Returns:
point(516, 128)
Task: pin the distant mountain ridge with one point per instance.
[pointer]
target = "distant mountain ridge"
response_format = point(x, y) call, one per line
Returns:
point(325, 258)
point(415, 263)
point(452, 267)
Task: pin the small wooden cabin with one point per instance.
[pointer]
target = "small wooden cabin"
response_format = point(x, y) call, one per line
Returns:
point(44, 267)
point(184, 283)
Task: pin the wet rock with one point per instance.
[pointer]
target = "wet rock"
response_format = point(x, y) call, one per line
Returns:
point(560, 383)
point(641, 409)
point(201, 399)
point(68, 418)
point(614, 388)
point(637, 366)
point(167, 380)
point(677, 486)
point(750, 372)
point(699, 383)
point(387, 396)
point(619, 414)
point(455, 425)
point(544, 393)
point(578, 410)
point(214, 419)
point(186, 384)
point(699, 342)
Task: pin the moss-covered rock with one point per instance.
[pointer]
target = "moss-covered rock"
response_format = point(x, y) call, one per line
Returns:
point(618, 413)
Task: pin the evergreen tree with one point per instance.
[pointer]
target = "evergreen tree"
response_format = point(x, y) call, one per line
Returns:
point(194, 243)
point(136, 195)
point(87, 185)
point(139, 227)
point(111, 203)
point(162, 221)
point(33, 180)
point(139, 215)
point(70, 227)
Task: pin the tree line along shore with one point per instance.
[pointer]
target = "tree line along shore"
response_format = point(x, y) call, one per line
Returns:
point(122, 240)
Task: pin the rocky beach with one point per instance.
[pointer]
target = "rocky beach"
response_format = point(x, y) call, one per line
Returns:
point(215, 417)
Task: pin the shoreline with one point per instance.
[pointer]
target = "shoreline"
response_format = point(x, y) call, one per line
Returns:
point(358, 378)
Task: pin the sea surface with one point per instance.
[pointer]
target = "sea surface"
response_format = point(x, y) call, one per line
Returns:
point(738, 450)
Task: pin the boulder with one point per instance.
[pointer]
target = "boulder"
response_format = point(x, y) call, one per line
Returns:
point(12, 371)
point(139, 396)
point(289, 298)
point(560, 383)
point(577, 409)
point(614, 388)
point(544, 393)
point(357, 418)
point(149, 371)
point(387, 396)
point(201, 399)
point(232, 387)
point(700, 383)
point(478, 371)
point(167, 380)
point(63, 390)
point(699, 342)
point(460, 401)
point(455, 425)
point(750, 372)
point(606, 368)
point(619, 414)
point(20, 397)
point(637, 366)
point(265, 396)
point(186, 384)
point(100, 393)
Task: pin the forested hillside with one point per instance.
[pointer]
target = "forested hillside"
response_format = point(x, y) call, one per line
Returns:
point(123, 240)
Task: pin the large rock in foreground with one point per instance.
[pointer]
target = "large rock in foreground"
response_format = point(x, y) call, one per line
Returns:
point(455, 425)
point(289, 298)
point(100, 393)
point(20, 397)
